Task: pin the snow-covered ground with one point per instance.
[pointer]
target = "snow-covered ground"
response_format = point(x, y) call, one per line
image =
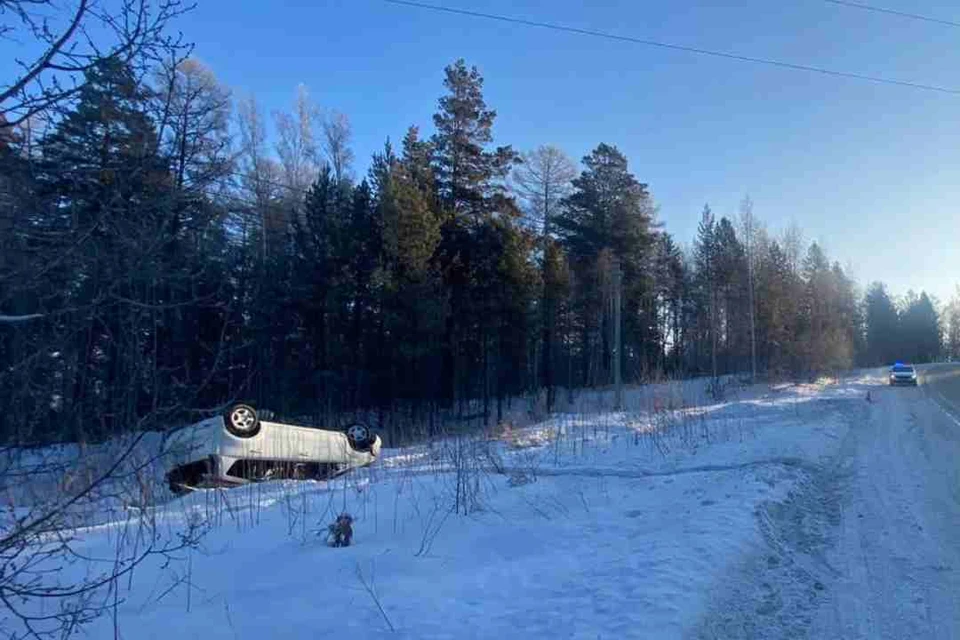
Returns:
point(788, 511)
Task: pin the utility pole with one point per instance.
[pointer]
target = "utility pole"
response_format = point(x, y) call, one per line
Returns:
point(617, 378)
point(746, 212)
point(753, 313)
point(545, 376)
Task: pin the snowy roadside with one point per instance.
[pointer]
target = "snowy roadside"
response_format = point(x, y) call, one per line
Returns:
point(627, 524)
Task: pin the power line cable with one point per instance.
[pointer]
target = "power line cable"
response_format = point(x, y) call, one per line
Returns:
point(893, 12)
point(674, 47)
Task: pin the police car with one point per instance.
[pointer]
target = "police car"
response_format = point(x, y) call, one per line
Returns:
point(903, 374)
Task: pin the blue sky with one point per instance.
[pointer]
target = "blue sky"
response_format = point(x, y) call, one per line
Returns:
point(869, 170)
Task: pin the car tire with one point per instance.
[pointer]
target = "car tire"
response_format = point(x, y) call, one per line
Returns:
point(242, 421)
point(359, 436)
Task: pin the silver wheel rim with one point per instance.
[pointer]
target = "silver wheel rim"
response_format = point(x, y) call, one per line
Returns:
point(243, 419)
point(358, 433)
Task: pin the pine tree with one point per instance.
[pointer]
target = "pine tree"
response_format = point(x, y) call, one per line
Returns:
point(952, 322)
point(815, 311)
point(777, 312)
point(731, 282)
point(470, 190)
point(752, 236)
point(410, 241)
point(518, 285)
point(670, 293)
point(417, 156)
point(101, 158)
point(844, 321)
point(920, 330)
point(707, 286)
point(322, 283)
point(882, 326)
point(608, 221)
point(556, 321)
point(411, 225)
point(609, 209)
point(468, 175)
point(111, 205)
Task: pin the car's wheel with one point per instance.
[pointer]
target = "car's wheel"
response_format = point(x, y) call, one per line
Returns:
point(242, 421)
point(359, 436)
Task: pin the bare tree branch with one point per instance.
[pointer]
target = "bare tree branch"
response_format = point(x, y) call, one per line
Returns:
point(135, 31)
point(45, 61)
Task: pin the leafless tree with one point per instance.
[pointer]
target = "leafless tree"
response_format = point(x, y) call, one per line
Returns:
point(296, 144)
point(193, 121)
point(793, 241)
point(50, 586)
point(542, 181)
point(336, 144)
point(260, 173)
point(64, 40)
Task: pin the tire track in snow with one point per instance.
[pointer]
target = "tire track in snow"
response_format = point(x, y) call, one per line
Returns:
point(592, 472)
point(776, 591)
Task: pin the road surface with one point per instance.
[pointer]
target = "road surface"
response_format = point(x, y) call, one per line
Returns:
point(897, 547)
point(867, 543)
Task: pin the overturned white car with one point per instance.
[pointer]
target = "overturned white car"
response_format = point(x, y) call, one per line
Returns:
point(239, 447)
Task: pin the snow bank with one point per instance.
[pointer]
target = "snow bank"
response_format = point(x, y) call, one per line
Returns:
point(588, 524)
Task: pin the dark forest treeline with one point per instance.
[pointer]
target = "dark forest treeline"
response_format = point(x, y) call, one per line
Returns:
point(160, 258)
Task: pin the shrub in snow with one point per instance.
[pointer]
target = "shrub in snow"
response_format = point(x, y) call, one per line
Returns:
point(519, 478)
point(503, 431)
point(507, 433)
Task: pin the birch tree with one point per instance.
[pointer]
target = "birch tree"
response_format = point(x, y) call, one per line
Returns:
point(297, 145)
point(336, 144)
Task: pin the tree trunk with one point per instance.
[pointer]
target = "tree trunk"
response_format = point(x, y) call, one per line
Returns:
point(448, 371)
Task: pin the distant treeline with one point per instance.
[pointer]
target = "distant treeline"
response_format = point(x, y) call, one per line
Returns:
point(162, 255)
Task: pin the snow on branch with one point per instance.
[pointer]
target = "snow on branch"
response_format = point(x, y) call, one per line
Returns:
point(15, 319)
